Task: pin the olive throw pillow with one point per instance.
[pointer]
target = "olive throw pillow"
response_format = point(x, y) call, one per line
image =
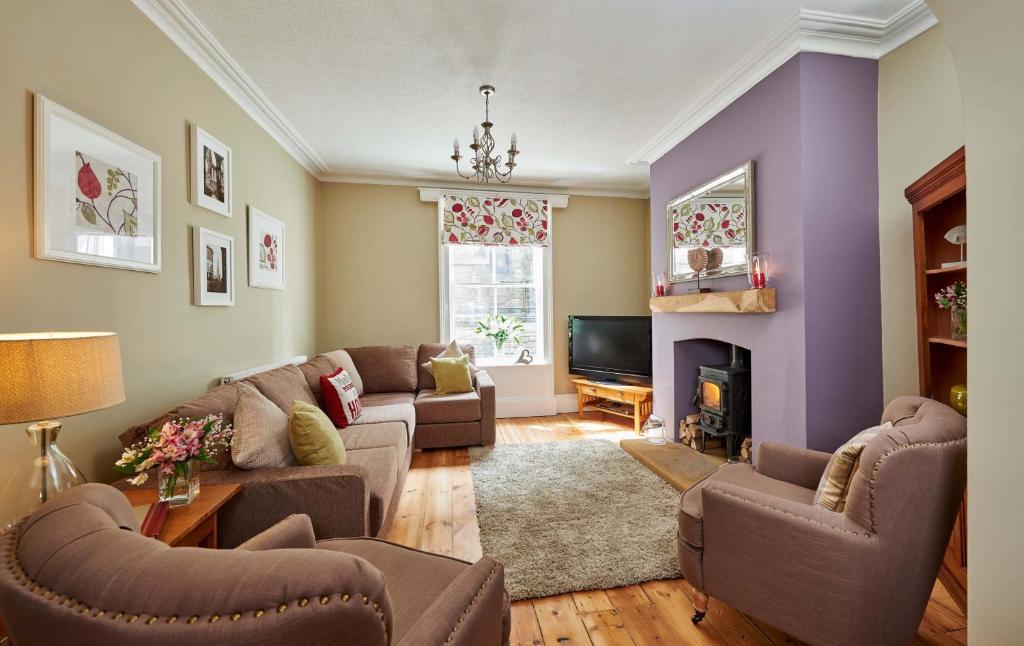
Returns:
point(452, 375)
point(313, 437)
point(835, 481)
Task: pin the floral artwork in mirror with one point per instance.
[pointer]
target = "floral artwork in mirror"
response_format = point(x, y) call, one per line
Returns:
point(718, 215)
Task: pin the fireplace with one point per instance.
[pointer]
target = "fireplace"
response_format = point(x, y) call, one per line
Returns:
point(722, 399)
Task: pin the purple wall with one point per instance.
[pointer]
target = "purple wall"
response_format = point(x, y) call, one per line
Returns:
point(810, 128)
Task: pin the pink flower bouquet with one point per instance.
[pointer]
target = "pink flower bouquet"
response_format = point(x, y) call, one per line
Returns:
point(172, 447)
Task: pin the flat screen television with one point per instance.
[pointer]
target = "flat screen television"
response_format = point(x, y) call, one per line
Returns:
point(610, 348)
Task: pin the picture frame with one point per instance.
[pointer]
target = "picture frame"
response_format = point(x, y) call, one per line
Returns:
point(213, 261)
point(212, 166)
point(97, 194)
point(266, 249)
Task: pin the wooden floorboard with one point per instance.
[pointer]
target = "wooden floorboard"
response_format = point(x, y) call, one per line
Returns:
point(437, 512)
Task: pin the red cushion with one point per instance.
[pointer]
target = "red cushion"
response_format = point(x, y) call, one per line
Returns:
point(340, 398)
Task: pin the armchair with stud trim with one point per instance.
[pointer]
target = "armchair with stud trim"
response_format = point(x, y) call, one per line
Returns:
point(77, 571)
point(751, 537)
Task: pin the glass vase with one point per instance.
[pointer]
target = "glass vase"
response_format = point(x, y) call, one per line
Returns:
point(654, 430)
point(958, 323)
point(181, 486)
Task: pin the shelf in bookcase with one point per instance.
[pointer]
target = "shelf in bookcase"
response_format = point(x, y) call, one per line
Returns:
point(942, 340)
point(946, 270)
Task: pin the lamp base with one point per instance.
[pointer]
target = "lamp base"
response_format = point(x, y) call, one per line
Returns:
point(40, 478)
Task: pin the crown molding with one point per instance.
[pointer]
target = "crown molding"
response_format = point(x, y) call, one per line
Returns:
point(435, 194)
point(806, 31)
point(185, 30)
point(640, 193)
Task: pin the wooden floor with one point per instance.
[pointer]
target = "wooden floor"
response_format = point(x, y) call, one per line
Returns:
point(436, 513)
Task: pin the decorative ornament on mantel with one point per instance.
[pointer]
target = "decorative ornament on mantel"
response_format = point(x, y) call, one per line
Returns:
point(484, 165)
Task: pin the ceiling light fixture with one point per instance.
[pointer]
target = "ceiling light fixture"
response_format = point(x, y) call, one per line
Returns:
point(486, 167)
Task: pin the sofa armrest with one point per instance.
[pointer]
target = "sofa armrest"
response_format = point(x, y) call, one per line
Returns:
point(294, 532)
point(334, 497)
point(473, 610)
point(488, 423)
point(798, 466)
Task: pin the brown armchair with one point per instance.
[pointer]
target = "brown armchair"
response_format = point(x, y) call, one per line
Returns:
point(751, 537)
point(77, 571)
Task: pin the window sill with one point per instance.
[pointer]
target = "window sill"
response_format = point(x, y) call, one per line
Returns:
point(484, 365)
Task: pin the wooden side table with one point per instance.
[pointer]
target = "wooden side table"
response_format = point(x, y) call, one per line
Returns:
point(633, 402)
point(194, 525)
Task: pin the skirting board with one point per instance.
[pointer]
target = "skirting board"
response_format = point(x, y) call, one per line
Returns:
point(535, 406)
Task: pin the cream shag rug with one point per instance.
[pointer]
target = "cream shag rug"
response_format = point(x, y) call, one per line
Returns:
point(569, 516)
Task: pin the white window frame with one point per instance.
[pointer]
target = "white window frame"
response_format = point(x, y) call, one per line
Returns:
point(545, 303)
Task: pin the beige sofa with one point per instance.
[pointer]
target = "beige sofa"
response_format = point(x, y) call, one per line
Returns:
point(401, 413)
point(78, 572)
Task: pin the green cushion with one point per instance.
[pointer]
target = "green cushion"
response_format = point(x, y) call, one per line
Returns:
point(313, 437)
point(452, 375)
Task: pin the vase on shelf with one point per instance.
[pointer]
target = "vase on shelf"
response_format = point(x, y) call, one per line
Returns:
point(958, 398)
point(180, 486)
point(958, 323)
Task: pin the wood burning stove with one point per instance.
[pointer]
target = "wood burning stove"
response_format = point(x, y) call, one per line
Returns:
point(723, 400)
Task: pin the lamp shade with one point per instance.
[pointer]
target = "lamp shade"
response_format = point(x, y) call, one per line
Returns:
point(58, 374)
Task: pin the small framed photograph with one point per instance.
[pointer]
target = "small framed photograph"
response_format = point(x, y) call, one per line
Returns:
point(211, 172)
point(214, 267)
point(97, 195)
point(266, 250)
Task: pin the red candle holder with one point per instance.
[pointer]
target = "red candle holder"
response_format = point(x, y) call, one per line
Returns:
point(757, 270)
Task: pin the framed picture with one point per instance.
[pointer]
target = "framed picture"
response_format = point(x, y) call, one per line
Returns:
point(211, 172)
point(213, 257)
point(266, 250)
point(97, 195)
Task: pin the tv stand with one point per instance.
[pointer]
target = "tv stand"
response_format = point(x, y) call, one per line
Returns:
point(633, 402)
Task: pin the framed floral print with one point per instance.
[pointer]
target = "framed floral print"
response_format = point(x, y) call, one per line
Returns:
point(97, 195)
point(211, 172)
point(266, 250)
point(213, 256)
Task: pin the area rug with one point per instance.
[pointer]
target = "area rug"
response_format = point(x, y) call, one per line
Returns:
point(570, 516)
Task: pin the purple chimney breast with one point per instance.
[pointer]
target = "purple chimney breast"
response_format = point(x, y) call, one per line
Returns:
point(811, 130)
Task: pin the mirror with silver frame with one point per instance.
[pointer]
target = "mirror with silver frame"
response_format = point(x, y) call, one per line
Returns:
point(717, 216)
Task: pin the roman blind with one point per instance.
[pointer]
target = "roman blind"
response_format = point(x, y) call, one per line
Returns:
point(502, 221)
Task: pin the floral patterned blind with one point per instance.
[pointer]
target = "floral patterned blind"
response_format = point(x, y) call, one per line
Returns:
point(710, 222)
point(495, 220)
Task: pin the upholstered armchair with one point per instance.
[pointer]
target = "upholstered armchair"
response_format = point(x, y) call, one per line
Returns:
point(78, 572)
point(751, 538)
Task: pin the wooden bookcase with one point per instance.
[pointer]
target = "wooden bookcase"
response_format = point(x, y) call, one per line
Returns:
point(939, 202)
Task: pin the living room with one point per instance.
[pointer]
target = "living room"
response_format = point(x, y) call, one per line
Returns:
point(621, 364)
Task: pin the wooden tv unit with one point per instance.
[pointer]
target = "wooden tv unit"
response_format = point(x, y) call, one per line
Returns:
point(633, 402)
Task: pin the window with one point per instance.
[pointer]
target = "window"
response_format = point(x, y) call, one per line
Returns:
point(481, 280)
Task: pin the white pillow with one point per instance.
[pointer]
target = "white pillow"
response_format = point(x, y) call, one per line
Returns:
point(453, 351)
point(260, 440)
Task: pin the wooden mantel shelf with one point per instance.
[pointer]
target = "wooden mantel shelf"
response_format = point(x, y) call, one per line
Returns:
point(744, 301)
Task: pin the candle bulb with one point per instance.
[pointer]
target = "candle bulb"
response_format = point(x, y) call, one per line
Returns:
point(513, 140)
point(456, 146)
point(476, 135)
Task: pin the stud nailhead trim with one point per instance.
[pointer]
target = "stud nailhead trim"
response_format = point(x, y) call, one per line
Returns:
point(14, 569)
point(472, 602)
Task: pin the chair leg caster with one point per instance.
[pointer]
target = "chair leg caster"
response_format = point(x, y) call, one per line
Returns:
point(700, 606)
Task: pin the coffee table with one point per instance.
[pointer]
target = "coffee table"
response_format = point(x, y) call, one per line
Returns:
point(193, 525)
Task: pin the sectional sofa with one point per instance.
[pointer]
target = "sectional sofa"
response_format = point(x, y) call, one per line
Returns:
point(401, 413)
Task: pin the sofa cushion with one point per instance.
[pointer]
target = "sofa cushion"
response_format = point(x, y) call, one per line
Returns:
point(404, 414)
point(387, 399)
point(283, 386)
point(261, 439)
point(691, 506)
point(426, 352)
point(314, 440)
point(375, 436)
point(432, 408)
point(327, 363)
point(381, 464)
point(222, 400)
point(386, 368)
point(452, 376)
point(415, 579)
point(339, 398)
point(835, 480)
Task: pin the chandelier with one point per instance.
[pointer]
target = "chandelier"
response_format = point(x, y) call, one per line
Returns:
point(486, 167)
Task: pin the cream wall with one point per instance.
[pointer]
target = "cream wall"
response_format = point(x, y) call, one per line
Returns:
point(920, 123)
point(988, 50)
point(378, 266)
point(108, 62)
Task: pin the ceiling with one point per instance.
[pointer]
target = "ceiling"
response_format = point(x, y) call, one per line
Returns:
point(594, 89)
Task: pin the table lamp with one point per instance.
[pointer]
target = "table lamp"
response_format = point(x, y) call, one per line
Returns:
point(45, 376)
